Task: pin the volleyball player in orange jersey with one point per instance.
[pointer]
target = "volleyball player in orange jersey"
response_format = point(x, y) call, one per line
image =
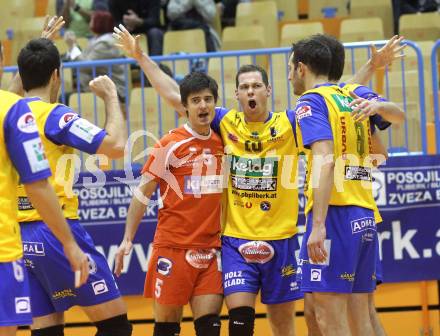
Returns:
point(184, 267)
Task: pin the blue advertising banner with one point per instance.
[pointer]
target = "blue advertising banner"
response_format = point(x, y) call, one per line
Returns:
point(406, 189)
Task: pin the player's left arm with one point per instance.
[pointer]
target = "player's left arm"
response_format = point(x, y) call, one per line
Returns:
point(381, 58)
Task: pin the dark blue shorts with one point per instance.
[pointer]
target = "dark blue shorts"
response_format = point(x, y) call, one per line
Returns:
point(51, 279)
point(271, 266)
point(15, 304)
point(352, 247)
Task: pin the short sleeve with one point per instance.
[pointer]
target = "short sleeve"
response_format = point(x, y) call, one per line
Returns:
point(220, 112)
point(312, 115)
point(24, 145)
point(65, 127)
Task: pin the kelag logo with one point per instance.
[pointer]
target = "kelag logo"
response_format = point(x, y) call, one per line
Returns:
point(242, 166)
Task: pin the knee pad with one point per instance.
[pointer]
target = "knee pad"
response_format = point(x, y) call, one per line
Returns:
point(57, 330)
point(241, 321)
point(114, 326)
point(208, 325)
point(166, 329)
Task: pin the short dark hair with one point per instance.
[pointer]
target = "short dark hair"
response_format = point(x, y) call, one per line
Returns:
point(315, 54)
point(36, 63)
point(196, 82)
point(338, 55)
point(252, 68)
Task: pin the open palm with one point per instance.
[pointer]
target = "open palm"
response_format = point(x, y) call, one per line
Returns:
point(128, 43)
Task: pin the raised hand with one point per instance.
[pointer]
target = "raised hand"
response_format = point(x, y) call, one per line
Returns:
point(390, 52)
point(126, 42)
point(52, 26)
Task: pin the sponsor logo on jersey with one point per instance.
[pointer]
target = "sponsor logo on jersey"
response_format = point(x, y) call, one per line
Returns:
point(93, 267)
point(84, 130)
point(347, 276)
point(26, 123)
point(66, 118)
point(342, 102)
point(35, 155)
point(363, 224)
point(288, 270)
point(99, 287)
point(22, 305)
point(62, 294)
point(232, 137)
point(315, 274)
point(357, 173)
point(265, 206)
point(200, 258)
point(254, 184)
point(164, 266)
point(303, 112)
point(264, 167)
point(33, 248)
point(211, 184)
point(24, 203)
point(256, 252)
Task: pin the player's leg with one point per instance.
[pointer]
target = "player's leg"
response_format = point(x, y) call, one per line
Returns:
point(207, 300)
point(281, 318)
point(169, 282)
point(15, 308)
point(56, 294)
point(374, 317)
point(241, 282)
point(279, 288)
point(167, 319)
point(359, 315)
point(206, 312)
point(331, 313)
point(310, 316)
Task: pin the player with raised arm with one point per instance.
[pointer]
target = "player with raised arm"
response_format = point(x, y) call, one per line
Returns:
point(380, 113)
point(62, 131)
point(184, 267)
point(23, 159)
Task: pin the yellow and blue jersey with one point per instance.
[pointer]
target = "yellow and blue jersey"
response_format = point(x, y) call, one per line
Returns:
point(323, 114)
point(22, 152)
point(261, 196)
point(61, 131)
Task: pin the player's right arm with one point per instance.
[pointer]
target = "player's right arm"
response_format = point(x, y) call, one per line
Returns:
point(138, 205)
point(166, 86)
point(27, 154)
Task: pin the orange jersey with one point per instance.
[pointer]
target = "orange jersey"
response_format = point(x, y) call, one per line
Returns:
point(188, 167)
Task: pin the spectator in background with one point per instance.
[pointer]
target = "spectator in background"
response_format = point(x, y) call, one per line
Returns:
point(101, 46)
point(140, 17)
point(77, 14)
point(193, 14)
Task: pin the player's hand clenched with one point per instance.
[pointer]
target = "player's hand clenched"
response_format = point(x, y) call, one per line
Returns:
point(103, 87)
point(123, 250)
point(79, 263)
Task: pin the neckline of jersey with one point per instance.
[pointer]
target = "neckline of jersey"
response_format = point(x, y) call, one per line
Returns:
point(195, 134)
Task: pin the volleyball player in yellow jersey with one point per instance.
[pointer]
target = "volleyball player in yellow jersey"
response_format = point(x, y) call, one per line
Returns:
point(382, 115)
point(22, 157)
point(340, 246)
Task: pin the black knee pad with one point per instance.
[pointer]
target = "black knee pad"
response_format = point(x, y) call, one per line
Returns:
point(166, 329)
point(208, 325)
point(57, 330)
point(241, 321)
point(114, 326)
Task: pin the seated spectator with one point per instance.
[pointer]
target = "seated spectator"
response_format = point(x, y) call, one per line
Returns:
point(77, 14)
point(101, 46)
point(192, 14)
point(140, 17)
